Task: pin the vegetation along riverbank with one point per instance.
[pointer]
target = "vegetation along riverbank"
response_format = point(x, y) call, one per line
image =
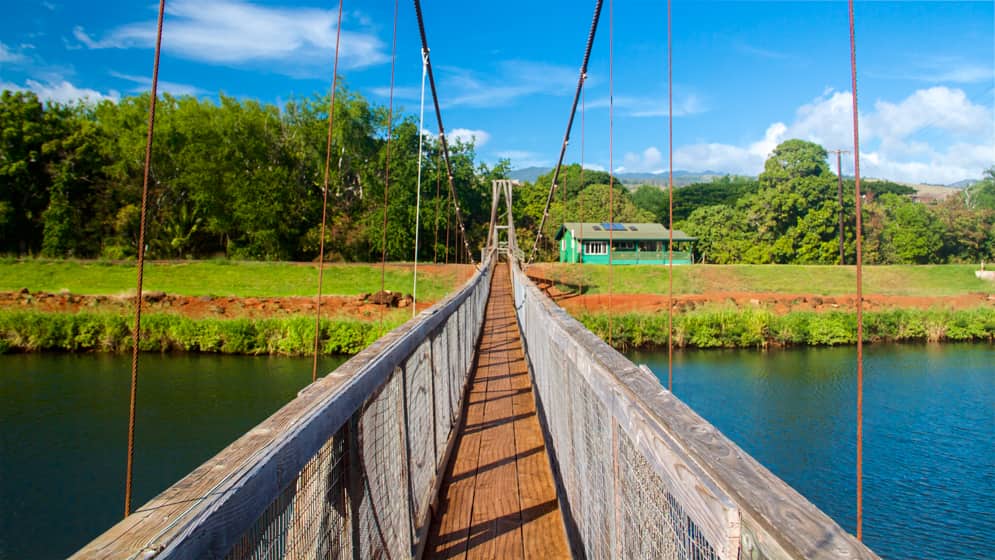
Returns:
point(34, 331)
point(759, 328)
point(226, 307)
point(761, 306)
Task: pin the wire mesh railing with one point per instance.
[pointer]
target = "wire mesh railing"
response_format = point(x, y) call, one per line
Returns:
point(348, 469)
point(640, 474)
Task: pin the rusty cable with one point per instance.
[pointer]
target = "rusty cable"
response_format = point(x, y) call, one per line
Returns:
point(860, 284)
point(449, 221)
point(570, 122)
point(583, 133)
point(611, 163)
point(386, 183)
point(670, 197)
point(136, 331)
point(438, 182)
point(324, 199)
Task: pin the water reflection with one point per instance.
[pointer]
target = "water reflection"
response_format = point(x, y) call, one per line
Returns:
point(929, 420)
point(64, 428)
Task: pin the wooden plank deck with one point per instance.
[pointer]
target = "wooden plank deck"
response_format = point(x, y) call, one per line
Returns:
point(498, 499)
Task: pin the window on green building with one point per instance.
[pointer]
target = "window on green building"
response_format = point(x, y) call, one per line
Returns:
point(595, 247)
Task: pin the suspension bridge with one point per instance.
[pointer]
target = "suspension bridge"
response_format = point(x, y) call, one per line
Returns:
point(491, 425)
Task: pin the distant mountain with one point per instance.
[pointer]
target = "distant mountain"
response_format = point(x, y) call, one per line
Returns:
point(528, 174)
point(681, 177)
point(963, 184)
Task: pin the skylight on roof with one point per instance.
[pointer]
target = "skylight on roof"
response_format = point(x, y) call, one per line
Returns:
point(613, 226)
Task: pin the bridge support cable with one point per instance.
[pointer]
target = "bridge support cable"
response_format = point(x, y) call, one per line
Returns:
point(442, 130)
point(386, 184)
point(421, 140)
point(438, 184)
point(611, 163)
point(860, 284)
point(570, 121)
point(670, 196)
point(136, 332)
point(324, 198)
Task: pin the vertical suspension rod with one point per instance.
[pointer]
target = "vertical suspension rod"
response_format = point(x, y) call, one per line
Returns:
point(670, 197)
point(386, 186)
point(136, 331)
point(442, 129)
point(860, 285)
point(570, 121)
point(324, 199)
point(421, 141)
point(611, 164)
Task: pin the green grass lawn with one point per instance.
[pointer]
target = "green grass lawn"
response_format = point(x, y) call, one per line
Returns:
point(220, 278)
point(908, 280)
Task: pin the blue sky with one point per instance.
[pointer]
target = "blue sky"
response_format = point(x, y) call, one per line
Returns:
point(747, 75)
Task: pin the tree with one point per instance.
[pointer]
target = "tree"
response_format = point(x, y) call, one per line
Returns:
point(794, 159)
point(722, 232)
point(654, 200)
point(574, 179)
point(24, 181)
point(726, 190)
point(982, 193)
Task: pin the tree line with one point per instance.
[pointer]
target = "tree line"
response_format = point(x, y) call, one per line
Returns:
point(244, 180)
point(787, 215)
point(233, 178)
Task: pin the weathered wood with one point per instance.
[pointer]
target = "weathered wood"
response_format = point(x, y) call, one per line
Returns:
point(498, 500)
point(733, 499)
point(207, 511)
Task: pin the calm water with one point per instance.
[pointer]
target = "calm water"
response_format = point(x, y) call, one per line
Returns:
point(929, 434)
point(63, 434)
point(929, 443)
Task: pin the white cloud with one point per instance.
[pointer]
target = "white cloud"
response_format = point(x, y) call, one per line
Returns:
point(686, 105)
point(478, 137)
point(61, 91)
point(936, 107)
point(761, 52)
point(512, 80)
point(941, 69)
point(522, 158)
point(934, 135)
point(292, 41)
point(407, 93)
point(9, 56)
point(649, 161)
point(144, 83)
point(965, 74)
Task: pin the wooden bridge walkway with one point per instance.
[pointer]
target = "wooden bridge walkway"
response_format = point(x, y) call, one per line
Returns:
point(498, 499)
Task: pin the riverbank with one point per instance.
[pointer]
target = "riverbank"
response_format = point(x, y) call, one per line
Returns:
point(35, 331)
point(761, 328)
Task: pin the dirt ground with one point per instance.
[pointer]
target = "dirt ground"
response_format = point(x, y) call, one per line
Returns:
point(362, 307)
point(365, 306)
point(776, 302)
point(356, 307)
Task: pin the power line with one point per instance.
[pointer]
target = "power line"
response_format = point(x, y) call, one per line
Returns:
point(839, 178)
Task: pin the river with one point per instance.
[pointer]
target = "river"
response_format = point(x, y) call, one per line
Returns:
point(64, 425)
point(929, 444)
point(929, 448)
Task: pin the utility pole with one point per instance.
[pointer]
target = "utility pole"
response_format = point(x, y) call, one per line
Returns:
point(839, 178)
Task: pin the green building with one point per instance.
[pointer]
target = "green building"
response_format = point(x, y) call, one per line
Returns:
point(630, 243)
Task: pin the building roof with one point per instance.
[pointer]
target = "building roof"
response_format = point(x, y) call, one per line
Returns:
point(624, 231)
